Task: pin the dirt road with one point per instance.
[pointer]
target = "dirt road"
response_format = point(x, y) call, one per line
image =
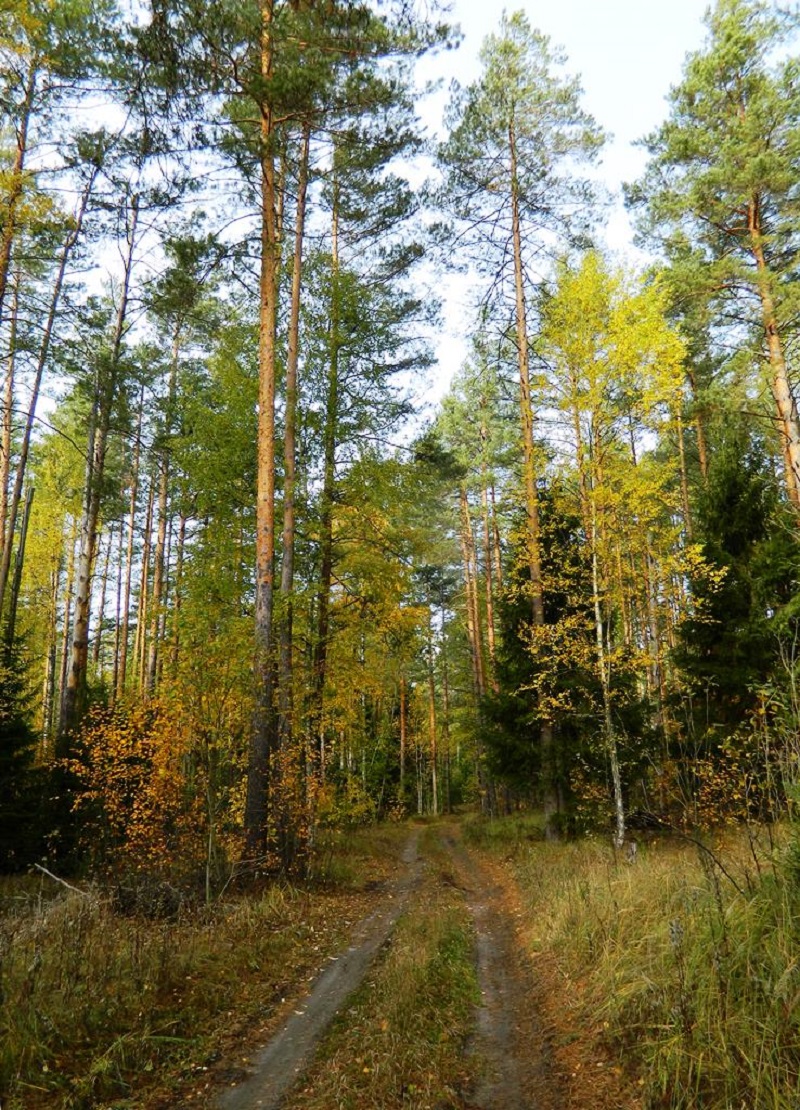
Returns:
point(509, 1047)
point(276, 1067)
point(518, 1071)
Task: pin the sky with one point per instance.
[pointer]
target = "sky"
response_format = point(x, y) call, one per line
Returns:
point(627, 53)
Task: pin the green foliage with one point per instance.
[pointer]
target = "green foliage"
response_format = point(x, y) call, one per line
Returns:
point(550, 672)
point(522, 96)
point(727, 646)
point(718, 198)
point(21, 783)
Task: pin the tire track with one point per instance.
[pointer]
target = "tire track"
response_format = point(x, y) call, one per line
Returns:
point(519, 1072)
point(277, 1066)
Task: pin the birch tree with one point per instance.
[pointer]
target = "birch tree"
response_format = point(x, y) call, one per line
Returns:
point(613, 355)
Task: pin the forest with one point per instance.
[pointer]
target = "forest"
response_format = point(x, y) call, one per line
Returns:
point(254, 595)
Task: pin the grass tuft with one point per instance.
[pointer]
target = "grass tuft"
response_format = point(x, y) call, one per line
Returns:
point(687, 961)
point(97, 1007)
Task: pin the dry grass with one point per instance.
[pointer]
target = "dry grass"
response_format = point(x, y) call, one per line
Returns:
point(686, 964)
point(98, 1008)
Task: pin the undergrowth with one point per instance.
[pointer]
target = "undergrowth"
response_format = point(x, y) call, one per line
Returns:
point(98, 1006)
point(689, 960)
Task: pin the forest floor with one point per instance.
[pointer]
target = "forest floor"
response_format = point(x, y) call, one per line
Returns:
point(521, 1052)
point(405, 976)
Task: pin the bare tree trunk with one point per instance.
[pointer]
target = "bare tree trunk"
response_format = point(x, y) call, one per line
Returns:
point(143, 608)
point(285, 657)
point(101, 611)
point(403, 734)
point(122, 669)
point(658, 678)
point(176, 607)
point(49, 686)
point(18, 564)
point(432, 720)
point(106, 394)
point(262, 741)
point(16, 182)
point(781, 387)
point(448, 802)
point(44, 351)
point(699, 425)
point(163, 623)
point(687, 514)
point(8, 409)
point(472, 609)
point(159, 565)
point(487, 559)
point(626, 611)
point(328, 489)
point(114, 692)
point(69, 587)
point(496, 548)
point(550, 801)
point(605, 683)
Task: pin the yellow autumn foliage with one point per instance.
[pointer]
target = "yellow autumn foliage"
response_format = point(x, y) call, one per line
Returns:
point(141, 804)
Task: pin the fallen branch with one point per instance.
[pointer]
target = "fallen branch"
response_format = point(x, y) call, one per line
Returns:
point(56, 879)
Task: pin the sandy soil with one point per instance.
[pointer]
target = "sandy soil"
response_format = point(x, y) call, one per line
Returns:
point(518, 1069)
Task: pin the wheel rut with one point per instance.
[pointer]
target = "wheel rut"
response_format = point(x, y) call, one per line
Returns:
point(509, 1045)
point(277, 1066)
point(518, 1071)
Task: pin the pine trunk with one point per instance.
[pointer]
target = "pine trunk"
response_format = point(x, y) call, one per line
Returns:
point(101, 609)
point(122, 667)
point(548, 776)
point(159, 561)
point(472, 609)
point(781, 387)
point(15, 186)
point(10, 516)
point(432, 721)
point(8, 413)
point(96, 459)
point(328, 491)
point(262, 741)
point(285, 655)
point(143, 607)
